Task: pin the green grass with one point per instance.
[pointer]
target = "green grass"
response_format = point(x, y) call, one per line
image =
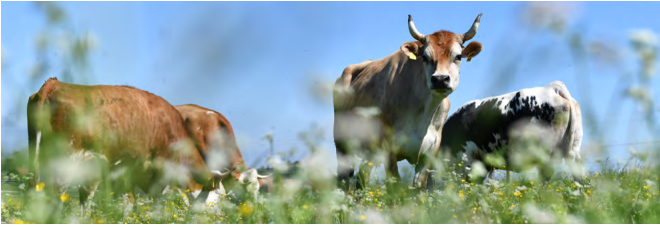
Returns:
point(610, 196)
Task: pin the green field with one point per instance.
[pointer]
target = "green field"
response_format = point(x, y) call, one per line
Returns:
point(614, 195)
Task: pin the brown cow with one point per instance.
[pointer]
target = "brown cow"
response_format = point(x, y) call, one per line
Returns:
point(409, 90)
point(214, 137)
point(138, 134)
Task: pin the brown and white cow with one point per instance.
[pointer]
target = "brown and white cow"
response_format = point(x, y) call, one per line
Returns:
point(138, 135)
point(214, 137)
point(409, 90)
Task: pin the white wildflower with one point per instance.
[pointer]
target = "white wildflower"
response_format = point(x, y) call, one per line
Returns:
point(538, 216)
point(576, 193)
point(577, 184)
point(644, 38)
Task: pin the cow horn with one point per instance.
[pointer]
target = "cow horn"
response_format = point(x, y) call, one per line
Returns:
point(473, 30)
point(413, 31)
point(264, 176)
point(219, 175)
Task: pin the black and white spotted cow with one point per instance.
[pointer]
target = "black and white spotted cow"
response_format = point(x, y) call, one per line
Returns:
point(504, 125)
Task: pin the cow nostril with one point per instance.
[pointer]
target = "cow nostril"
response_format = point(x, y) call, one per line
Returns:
point(440, 81)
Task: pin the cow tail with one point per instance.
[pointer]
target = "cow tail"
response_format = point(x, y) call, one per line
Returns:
point(34, 145)
point(576, 130)
point(573, 133)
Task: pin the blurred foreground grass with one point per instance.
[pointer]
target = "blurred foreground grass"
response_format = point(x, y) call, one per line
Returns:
point(613, 195)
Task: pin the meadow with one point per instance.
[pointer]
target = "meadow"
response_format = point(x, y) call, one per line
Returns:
point(616, 194)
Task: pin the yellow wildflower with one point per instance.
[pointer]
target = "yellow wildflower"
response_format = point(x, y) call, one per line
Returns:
point(370, 164)
point(40, 186)
point(245, 210)
point(175, 216)
point(305, 206)
point(363, 217)
point(64, 197)
point(455, 217)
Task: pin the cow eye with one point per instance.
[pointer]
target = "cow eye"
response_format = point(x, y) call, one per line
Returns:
point(458, 57)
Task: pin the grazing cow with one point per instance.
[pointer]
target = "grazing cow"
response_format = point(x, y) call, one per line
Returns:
point(214, 137)
point(409, 90)
point(138, 135)
point(504, 124)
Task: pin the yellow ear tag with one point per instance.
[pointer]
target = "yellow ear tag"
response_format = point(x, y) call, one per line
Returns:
point(470, 56)
point(412, 56)
point(469, 59)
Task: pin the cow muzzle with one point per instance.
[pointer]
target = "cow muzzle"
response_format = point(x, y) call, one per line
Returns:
point(440, 82)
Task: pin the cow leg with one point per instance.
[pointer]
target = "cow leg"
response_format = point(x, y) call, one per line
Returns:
point(214, 195)
point(345, 168)
point(130, 205)
point(421, 176)
point(575, 165)
point(392, 173)
point(86, 193)
point(392, 169)
point(363, 176)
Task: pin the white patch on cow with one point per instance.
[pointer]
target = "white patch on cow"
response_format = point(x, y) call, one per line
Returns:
point(210, 112)
point(195, 193)
point(454, 67)
point(199, 127)
point(469, 149)
point(429, 142)
point(534, 120)
point(498, 142)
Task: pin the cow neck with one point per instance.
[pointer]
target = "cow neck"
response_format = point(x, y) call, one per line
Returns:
point(408, 78)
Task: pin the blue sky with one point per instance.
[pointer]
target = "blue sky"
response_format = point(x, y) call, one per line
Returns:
point(254, 61)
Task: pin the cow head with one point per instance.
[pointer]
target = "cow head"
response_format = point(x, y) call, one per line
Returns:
point(441, 54)
point(250, 178)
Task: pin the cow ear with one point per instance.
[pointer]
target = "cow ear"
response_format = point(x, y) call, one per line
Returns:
point(411, 49)
point(473, 49)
